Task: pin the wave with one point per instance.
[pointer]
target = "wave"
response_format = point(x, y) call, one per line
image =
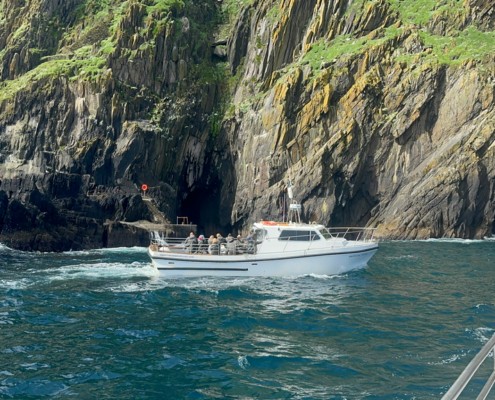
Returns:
point(102, 270)
point(4, 247)
point(107, 250)
point(483, 334)
point(450, 360)
point(440, 240)
point(17, 284)
point(323, 277)
point(134, 249)
point(455, 240)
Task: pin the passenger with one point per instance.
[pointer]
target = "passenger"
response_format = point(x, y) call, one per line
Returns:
point(221, 239)
point(221, 244)
point(251, 243)
point(191, 243)
point(240, 245)
point(214, 247)
point(231, 245)
point(202, 246)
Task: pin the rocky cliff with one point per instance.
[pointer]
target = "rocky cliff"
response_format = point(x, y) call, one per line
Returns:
point(380, 112)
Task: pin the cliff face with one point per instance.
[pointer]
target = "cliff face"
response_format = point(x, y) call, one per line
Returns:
point(113, 101)
point(381, 114)
point(386, 123)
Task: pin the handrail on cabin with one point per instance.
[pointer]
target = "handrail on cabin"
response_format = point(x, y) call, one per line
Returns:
point(465, 377)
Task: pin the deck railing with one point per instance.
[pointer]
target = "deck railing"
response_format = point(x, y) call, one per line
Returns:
point(353, 233)
point(465, 377)
point(181, 245)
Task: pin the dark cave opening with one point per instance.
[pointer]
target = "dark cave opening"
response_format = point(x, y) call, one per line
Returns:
point(202, 208)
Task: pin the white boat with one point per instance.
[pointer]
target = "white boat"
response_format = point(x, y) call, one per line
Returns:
point(272, 248)
point(275, 249)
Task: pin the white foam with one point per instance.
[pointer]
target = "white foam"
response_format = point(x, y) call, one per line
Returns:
point(106, 251)
point(483, 334)
point(102, 270)
point(453, 240)
point(449, 360)
point(243, 362)
point(323, 277)
point(18, 284)
point(4, 247)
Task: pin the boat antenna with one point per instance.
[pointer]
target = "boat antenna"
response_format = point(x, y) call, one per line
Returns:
point(294, 214)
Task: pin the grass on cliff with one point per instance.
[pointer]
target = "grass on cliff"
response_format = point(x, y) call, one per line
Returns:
point(416, 12)
point(87, 44)
point(322, 51)
point(454, 49)
point(420, 12)
point(83, 65)
point(470, 44)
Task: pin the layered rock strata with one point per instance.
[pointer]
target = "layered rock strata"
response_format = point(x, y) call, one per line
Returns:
point(379, 116)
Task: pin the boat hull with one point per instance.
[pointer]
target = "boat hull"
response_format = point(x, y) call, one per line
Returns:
point(278, 264)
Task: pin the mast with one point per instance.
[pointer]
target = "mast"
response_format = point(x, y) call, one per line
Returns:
point(294, 214)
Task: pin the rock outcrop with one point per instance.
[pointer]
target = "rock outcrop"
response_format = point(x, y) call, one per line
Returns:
point(379, 115)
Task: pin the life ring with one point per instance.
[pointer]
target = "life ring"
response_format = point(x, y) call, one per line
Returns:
point(144, 187)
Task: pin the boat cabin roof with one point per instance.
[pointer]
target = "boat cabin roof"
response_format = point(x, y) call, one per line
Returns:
point(286, 225)
point(278, 226)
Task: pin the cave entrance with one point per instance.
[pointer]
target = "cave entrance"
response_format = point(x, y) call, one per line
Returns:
point(202, 208)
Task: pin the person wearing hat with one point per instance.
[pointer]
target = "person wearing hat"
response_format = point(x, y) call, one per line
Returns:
point(202, 246)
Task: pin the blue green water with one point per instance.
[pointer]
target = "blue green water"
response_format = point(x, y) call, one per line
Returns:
point(101, 325)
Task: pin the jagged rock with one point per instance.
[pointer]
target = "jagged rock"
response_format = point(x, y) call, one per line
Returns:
point(238, 41)
point(135, 209)
point(14, 66)
point(123, 235)
point(483, 13)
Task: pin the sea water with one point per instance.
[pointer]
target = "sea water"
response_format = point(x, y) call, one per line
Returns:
point(102, 325)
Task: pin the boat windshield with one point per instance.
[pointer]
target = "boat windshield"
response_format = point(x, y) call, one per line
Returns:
point(260, 235)
point(325, 233)
point(299, 235)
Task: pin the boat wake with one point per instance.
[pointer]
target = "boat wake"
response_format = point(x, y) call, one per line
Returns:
point(102, 270)
point(103, 251)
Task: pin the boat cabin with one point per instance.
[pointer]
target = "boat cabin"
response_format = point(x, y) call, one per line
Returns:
point(284, 232)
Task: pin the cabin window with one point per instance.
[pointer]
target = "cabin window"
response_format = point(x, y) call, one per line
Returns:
point(300, 236)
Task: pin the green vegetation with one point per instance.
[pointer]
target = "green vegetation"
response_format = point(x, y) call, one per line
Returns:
point(20, 32)
point(420, 12)
point(273, 14)
point(83, 65)
point(232, 8)
point(86, 45)
point(470, 44)
point(173, 6)
point(324, 51)
point(456, 48)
